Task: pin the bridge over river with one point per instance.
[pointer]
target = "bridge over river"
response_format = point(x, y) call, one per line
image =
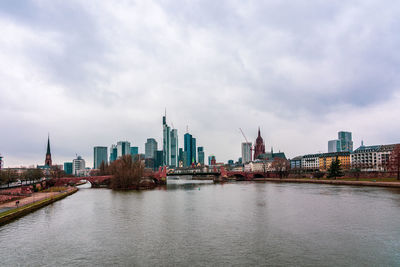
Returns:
point(160, 177)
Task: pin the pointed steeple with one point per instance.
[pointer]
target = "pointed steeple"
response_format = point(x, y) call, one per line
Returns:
point(48, 161)
point(259, 147)
point(48, 145)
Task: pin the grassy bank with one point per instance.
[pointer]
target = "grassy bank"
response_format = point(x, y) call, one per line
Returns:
point(12, 214)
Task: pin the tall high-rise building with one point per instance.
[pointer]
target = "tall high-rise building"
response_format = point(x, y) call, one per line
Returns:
point(166, 141)
point(68, 168)
point(77, 165)
point(200, 154)
point(100, 155)
point(1, 162)
point(134, 151)
point(170, 144)
point(188, 146)
point(334, 146)
point(345, 141)
point(180, 157)
point(246, 152)
point(259, 147)
point(113, 153)
point(158, 159)
point(150, 148)
point(48, 161)
point(194, 160)
point(123, 148)
point(185, 162)
point(174, 148)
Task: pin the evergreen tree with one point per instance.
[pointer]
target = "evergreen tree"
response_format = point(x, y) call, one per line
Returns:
point(335, 169)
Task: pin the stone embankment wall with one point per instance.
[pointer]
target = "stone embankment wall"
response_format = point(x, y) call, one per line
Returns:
point(335, 182)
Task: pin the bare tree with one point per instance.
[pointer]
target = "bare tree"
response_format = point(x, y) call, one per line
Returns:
point(103, 170)
point(8, 176)
point(281, 166)
point(127, 172)
point(56, 172)
point(33, 174)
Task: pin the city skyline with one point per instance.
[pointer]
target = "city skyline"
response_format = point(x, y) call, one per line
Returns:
point(301, 76)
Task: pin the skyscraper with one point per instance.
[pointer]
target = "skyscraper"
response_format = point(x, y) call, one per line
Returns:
point(200, 154)
point(166, 141)
point(334, 146)
point(1, 162)
point(246, 152)
point(100, 155)
point(150, 148)
point(134, 151)
point(123, 148)
point(48, 160)
point(113, 153)
point(174, 148)
point(345, 141)
point(68, 168)
point(188, 148)
point(158, 159)
point(194, 160)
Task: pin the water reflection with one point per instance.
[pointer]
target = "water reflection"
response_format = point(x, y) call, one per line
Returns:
point(187, 184)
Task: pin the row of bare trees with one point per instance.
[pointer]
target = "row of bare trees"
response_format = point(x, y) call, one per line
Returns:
point(8, 176)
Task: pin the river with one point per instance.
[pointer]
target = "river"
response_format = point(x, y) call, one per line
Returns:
point(205, 224)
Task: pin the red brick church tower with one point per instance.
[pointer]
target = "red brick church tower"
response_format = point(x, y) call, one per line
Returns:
point(47, 161)
point(259, 147)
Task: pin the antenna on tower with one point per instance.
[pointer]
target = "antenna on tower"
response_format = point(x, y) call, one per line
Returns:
point(187, 128)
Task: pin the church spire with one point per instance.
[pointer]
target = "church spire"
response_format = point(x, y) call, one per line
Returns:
point(47, 161)
point(48, 145)
point(259, 147)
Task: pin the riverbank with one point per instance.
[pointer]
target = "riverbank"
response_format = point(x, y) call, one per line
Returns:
point(30, 204)
point(334, 182)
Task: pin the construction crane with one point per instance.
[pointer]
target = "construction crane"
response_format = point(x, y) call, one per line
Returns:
point(251, 147)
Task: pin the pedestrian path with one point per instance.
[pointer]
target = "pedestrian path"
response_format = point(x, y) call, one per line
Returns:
point(27, 200)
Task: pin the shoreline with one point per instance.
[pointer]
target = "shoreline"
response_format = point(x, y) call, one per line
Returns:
point(333, 182)
point(13, 214)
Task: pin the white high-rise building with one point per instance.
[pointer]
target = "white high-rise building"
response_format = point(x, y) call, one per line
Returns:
point(78, 164)
point(246, 152)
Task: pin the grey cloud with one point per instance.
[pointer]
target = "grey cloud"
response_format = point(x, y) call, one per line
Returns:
point(216, 66)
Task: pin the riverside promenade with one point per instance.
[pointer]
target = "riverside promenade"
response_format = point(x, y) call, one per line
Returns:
point(331, 181)
point(10, 210)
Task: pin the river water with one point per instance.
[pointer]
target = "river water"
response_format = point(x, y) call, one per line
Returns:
point(203, 224)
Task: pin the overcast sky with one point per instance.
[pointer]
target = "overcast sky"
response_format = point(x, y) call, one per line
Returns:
point(96, 72)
